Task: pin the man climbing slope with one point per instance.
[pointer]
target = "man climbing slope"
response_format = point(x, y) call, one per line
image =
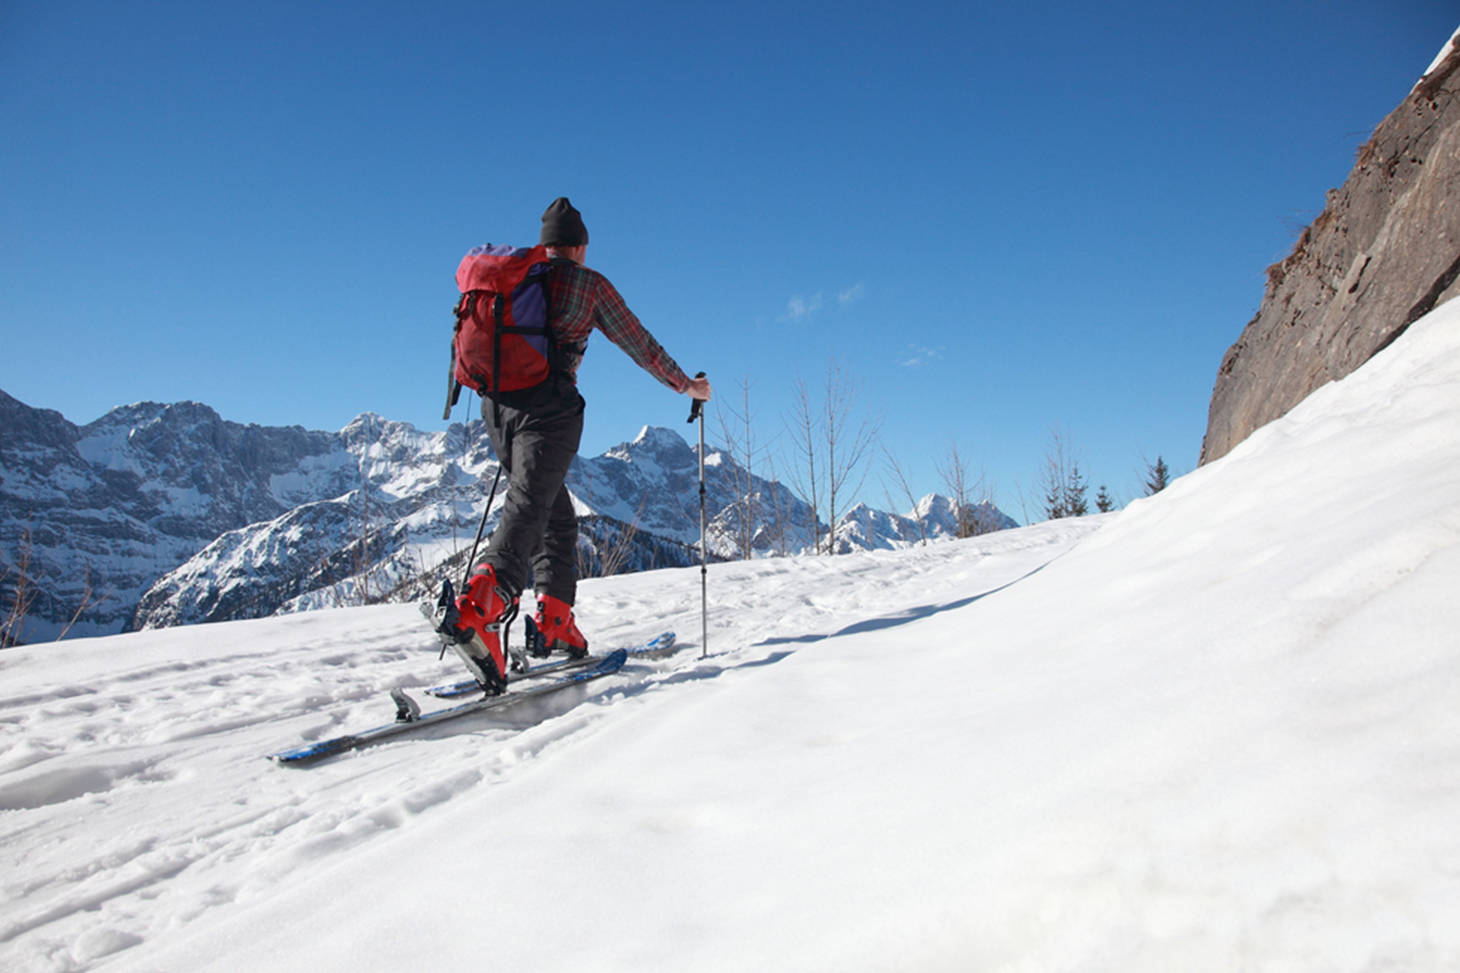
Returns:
point(535, 432)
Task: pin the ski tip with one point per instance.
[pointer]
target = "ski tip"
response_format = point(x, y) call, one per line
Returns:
point(314, 751)
point(658, 647)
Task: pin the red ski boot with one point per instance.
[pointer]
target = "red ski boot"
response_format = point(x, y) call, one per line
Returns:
point(557, 628)
point(482, 614)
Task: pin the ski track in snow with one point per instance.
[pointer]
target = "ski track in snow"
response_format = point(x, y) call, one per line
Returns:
point(130, 797)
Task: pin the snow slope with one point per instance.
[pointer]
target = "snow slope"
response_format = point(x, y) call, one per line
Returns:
point(1216, 731)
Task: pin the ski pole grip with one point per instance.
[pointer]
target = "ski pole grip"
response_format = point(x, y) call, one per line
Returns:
point(698, 408)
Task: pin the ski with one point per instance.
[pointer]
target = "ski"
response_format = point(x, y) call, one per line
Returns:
point(409, 716)
point(656, 648)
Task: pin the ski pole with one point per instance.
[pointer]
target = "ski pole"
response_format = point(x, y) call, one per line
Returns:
point(697, 411)
point(470, 562)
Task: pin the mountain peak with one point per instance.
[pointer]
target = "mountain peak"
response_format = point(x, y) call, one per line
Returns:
point(192, 489)
point(657, 437)
point(656, 447)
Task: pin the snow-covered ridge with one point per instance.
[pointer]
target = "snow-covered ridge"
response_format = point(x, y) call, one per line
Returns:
point(1440, 57)
point(170, 514)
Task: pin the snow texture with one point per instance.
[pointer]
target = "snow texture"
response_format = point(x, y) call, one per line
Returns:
point(1215, 731)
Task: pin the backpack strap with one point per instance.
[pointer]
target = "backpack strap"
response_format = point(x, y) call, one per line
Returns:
point(464, 305)
point(499, 310)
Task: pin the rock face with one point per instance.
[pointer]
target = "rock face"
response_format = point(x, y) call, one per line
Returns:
point(1384, 251)
point(93, 514)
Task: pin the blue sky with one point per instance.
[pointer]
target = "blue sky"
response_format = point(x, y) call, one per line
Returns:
point(1000, 218)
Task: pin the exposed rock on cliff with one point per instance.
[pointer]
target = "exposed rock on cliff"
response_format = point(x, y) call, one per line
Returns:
point(1384, 251)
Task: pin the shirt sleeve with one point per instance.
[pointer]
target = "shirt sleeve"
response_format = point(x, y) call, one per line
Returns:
point(613, 317)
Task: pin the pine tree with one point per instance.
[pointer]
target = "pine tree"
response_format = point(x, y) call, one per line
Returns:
point(1064, 488)
point(1158, 477)
point(1104, 502)
point(1075, 489)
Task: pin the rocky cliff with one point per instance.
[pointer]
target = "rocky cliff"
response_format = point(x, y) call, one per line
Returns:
point(1384, 251)
point(93, 514)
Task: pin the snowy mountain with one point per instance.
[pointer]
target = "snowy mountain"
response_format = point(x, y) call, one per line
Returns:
point(934, 518)
point(1216, 730)
point(169, 514)
point(128, 497)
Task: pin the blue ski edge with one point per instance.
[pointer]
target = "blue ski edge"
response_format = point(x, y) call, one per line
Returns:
point(325, 748)
point(660, 645)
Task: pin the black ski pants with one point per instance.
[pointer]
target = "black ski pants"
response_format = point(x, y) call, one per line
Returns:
point(536, 435)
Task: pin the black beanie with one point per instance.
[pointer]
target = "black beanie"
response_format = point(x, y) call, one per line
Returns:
point(562, 225)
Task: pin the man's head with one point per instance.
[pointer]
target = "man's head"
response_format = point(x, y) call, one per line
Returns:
point(562, 226)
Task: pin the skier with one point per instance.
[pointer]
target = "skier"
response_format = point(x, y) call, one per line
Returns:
point(535, 433)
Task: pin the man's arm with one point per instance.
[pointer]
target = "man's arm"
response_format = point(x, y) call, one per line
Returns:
point(619, 324)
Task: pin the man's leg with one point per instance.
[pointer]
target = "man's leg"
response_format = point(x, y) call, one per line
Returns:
point(534, 444)
point(475, 619)
point(555, 569)
point(540, 443)
point(556, 579)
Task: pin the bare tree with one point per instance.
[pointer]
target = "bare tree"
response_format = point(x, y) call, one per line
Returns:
point(953, 472)
point(894, 468)
point(988, 518)
point(1060, 480)
point(972, 512)
point(22, 591)
point(832, 446)
point(801, 427)
point(1024, 502)
point(737, 430)
point(615, 552)
point(780, 526)
point(356, 572)
point(849, 436)
point(88, 600)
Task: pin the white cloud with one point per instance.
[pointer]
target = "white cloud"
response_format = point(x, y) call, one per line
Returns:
point(799, 307)
point(914, 356)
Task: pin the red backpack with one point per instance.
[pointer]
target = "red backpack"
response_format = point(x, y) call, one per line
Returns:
point(501, 342)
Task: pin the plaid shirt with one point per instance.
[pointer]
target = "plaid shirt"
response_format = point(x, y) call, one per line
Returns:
point(583, 299)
